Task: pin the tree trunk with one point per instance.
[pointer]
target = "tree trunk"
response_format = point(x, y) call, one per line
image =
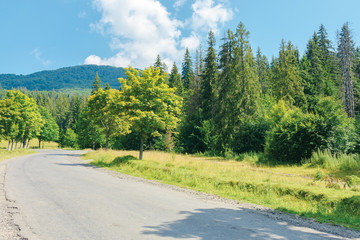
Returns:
point(9, 145)
point(141, 147)
point(16, 144)
point(21, 142)
point(12, 144)
point(93, 147)
point(39, 143)
point(107, 142)
point(24, 144)
point(28, 143)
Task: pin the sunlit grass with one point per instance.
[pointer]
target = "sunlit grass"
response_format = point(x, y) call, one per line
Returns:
point(288, 188)
point(4, 154)
point(34, 144)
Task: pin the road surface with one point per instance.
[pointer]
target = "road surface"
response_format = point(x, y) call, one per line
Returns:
point(58, 197)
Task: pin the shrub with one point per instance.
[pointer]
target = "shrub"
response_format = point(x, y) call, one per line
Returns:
point(295, 135)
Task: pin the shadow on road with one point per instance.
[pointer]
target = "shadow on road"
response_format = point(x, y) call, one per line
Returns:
point(76, 164)
point(222, 223)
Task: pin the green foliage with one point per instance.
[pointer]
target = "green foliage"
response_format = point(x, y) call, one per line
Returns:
point(296, 135)
point(50, 129)
point(152, 105)
point(209, 78)
point(107, 110)
point(70, 139)
point(175, 81)
point(287, 83)
point(187, 73)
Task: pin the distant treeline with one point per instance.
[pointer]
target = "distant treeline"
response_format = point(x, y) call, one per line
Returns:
point(63, 78)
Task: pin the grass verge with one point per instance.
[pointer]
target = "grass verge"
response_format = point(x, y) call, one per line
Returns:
point(294, 189)
point(4, 154)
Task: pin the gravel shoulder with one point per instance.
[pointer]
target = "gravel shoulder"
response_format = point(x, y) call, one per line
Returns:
point(8, 209)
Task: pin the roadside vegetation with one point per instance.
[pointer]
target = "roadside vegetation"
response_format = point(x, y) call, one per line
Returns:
point(325, 194)
point(4, 154)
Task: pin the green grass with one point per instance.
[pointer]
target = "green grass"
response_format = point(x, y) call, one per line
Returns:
point(293, 189)
point(4, 154)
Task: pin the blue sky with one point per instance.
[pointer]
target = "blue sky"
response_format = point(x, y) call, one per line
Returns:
point(49, 34)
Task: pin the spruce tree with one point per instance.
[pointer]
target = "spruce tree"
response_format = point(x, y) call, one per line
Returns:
point(187, 73)
point(160, 64)
point(96, 84)
point(286, 79)
point(263, 69)
point(209, 76)
point(346, 51)
point(175, 80)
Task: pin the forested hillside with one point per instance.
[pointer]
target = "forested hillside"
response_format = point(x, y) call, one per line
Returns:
point(63, 78)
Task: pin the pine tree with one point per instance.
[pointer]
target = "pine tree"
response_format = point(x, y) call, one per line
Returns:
point(96, 84)
point(346, 56)
point(207, 97)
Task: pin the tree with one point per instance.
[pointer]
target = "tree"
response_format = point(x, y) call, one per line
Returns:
point(153, 106)
point(96, 84)
point(50, 130)
point(106, 108)
point(20, 119)
point(263, 69)
point(175, 80)
point(209, 76)
point(346, 51)
point(160, 64)
point(286, 79)
point(187, 73)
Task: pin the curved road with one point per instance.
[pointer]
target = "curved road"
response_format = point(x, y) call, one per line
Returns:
point(60, 198)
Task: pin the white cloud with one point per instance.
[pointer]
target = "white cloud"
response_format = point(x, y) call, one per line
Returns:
point(38, 56)
point(207, 15)
point(139, 30)
point(192, 42)
point(179, 3)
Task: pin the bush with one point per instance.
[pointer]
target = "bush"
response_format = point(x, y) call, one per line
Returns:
point(296, 135)
point(293, 138)
point(250, 136)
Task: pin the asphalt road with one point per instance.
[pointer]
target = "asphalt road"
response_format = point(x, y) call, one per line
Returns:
point(59, 198)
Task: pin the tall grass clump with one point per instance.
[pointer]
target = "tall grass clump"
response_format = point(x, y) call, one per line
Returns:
point(333, 161)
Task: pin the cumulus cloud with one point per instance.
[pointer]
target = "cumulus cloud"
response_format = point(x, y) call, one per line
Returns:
point(192, 42)
point(140, 30)
point(208, 15)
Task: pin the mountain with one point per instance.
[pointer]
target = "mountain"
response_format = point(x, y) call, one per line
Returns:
point(77, 77)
